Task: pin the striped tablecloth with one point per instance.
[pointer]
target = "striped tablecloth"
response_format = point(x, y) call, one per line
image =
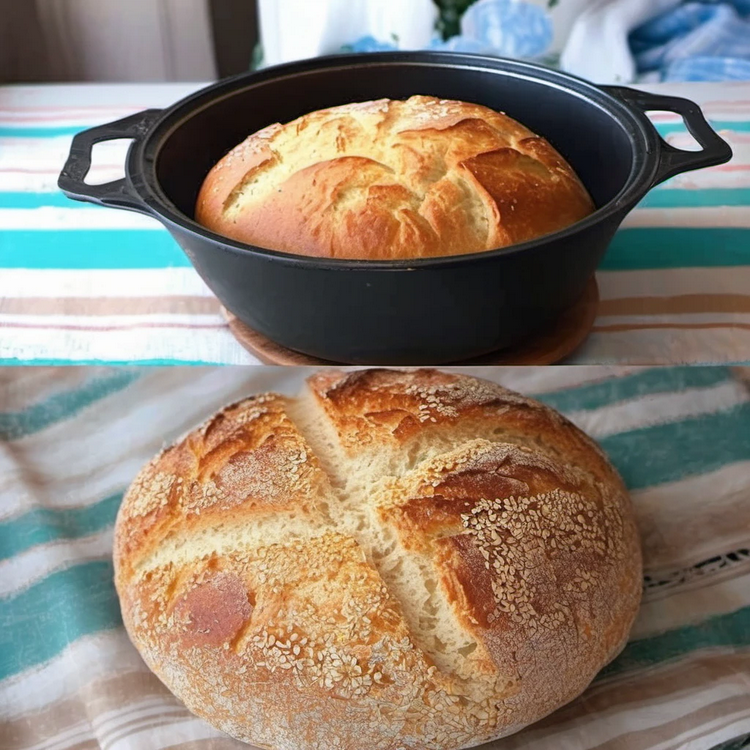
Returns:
point(84, 284)
point(71, 440)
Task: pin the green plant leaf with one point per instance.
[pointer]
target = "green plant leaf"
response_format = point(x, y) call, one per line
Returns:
point(449, 23)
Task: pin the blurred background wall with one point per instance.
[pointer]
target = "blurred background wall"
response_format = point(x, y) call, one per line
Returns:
point(135, 40)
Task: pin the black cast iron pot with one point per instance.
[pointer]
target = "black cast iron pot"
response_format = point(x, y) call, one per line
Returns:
point(427, 311)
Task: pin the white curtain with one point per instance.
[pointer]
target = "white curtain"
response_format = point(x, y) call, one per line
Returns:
point(107, 40)
point(296, 29)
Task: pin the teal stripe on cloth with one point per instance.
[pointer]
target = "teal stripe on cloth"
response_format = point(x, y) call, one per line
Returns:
point(64, 405)
point(635, 248)
point(53, 131)
point(738, 126)
point(43, 525)
point(668, 452)
point(40, 622)
point(43, 200)
point(613, 390)
point(683, 198)
point(676, 247)
point(87, 249)
point(724, 630)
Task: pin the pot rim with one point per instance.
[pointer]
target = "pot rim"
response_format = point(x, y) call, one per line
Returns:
point(144, 153)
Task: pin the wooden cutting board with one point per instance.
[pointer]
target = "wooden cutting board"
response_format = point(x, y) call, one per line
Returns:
point(546, 348)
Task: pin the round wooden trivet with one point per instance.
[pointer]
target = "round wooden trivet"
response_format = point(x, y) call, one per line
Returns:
point(567, 334)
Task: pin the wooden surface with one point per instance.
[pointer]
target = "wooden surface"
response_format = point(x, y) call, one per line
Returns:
point(561, 340)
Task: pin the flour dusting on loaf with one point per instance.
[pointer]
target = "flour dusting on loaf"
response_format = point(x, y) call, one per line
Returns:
point(390, 179)
point(395, 560)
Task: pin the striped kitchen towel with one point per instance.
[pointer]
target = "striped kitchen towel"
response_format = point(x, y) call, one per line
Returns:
point(72, 439)
point(82, 284)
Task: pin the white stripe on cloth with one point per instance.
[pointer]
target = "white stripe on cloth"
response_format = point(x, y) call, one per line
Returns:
point(688, 605)
point(72, 491)
point(651, 346)
point(660, 408)
point(118, 283)
point(669, 282)
point(727, 318)
point(590, 730)
point(702, 216)
point(711, 734)
point(37, 385)
point(39, 153)
point(108, 728)
point(107, 722)
point(737, 139)
point(17, 181)
point(118, 724)
point(29, 567)
point(107, 322)
point(536, 380)
point(137, 320)
point(51, 218)
point(176, 344)
point(725, 481)
point(725, 176)
point(34, 164)
point(686, 142)
point(676, 510)
point(91, 658)
point(167, 735)
point(42, 117)
point(78, 733)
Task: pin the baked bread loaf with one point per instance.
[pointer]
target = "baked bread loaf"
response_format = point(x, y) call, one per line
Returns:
point(392, 179)
point(391, 561)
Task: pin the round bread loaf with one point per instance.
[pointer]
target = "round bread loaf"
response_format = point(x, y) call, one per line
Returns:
point(392, 179)
point(391, 561)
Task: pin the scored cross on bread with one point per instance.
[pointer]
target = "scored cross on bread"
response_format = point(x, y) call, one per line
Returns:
point(391, 560)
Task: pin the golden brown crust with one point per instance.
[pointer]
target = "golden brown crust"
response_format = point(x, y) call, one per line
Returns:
point(387, 407)
point(249, 457)
point(391, 180)
point(395, 560)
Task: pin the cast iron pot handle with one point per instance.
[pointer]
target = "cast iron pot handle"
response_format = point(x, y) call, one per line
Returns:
point(672, 161)
point(115, 194)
